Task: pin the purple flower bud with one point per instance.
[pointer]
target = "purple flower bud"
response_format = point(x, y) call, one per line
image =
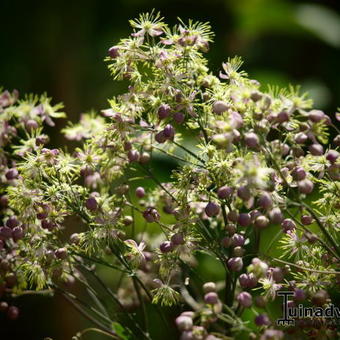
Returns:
point(177, 239)
point(298, 173)
point(265, 201)
point(275, 215)
point(12, 174)
point(306, 186)
point(288, 224)
point(300, 138)
point(282, 117)
point(252, 140)
point(17, 234)
point(237, 240)
point(46, 224)
point(277, 274)
point(232, 216)
point(61, 253)
point(316, 149)
point(187, 335)
point(336, 140)
point(226, 242)
point(224, 192)
point(184, 323)
point(13, 312)
point(91, 204)
point(306, 220)
point(244, 193)
point(164, 111)
point(252, 280)
point(113, 52)
point(151, 215)
point(316, 116)
point(243, 280)
point(140, 192)
point(212, 209)
point(133, 156)
point(166, 247)
point(169, 131)
point(160, 137)
point(5, 233)
point(31, 125)
point(209, 287)
point(219, 107)
point(178, 117)
point(245, 299)
point(320, 297)
point(299, 294)
point(4, 201)
point(332, 156)
point(244, 219)
point(256, 96)
point(261, 221)
point(211, 298)
point(235, 264)
point(12, 222)
point(262, 320)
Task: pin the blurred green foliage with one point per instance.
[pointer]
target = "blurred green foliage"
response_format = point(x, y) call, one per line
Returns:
point(59, 47)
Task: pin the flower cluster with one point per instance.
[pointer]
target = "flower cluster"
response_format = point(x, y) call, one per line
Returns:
point(184, 165)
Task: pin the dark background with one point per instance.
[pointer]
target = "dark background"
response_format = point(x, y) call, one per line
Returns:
point(59, 47)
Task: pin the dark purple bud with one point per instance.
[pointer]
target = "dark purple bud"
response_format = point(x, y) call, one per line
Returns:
point(256, 96)
point(276, 216)
point(300, 138)
point(244, 219)
point(232, 216)
point(224, 192)
point(12, 174)
point(320, 297)
point(13, 312)
point(288, 224)
point(212, 209)
point(61, 253)
point(244, 193)
point(252, 280)
point(133, 156)
point(226, 242)
point(46, 224)
point(298, 173)
point(306, 220)
point(184, 323)
point(12, 222)
point(140, 192)
point(299, 294)
point(151, 215)
point(177, 239)
point(306, 186)
point(178, 117)
point(91, 204)
point(169, 131)
point(166, 247)
point(277, 274)
point(245, 299)
point(219, 107)
point(237, 240)
point(31, 125)
point(235, 264)
point(127, 146)
point(4, 201)
point(160, 137)
point(265, 201)
point(316, 149)
point(164, 111)
point(211, 298)
point(332, 156)
point(316, 116)
point(238, 251)
point(262, 320)
point(5, 233)
point(252, 140)
point(17, 234)
point(243, 280)
point(113, 52)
